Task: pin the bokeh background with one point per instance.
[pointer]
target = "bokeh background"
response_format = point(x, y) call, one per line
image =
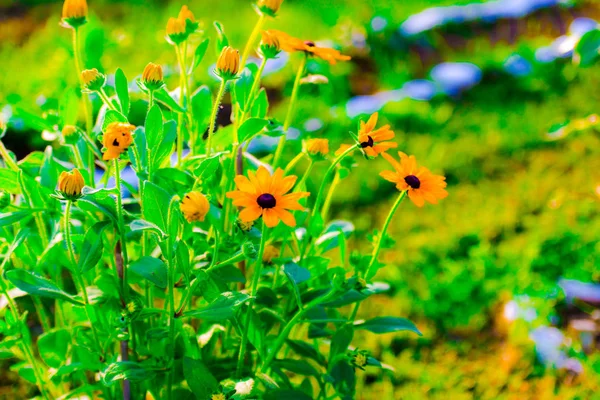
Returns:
point(500, 277)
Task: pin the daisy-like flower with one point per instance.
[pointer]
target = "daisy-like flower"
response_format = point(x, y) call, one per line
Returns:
point(291, 44)
point(375, 141)
point(263, 194)
point(194, 206)
point(117, 138)
point(420, 183)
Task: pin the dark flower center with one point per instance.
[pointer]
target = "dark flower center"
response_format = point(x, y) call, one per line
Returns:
point(368, 143)
point(412, 181)
point(115, 142)
point(309, 43)
point(266, 200)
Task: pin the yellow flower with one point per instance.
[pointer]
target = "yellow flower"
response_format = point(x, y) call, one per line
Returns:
point(360, 360)
point(176, 32)
point(270, 252)
point(188, 20)
point(194, 206)
point(74, 13)
point(70, 184)
point(269, 45)
point(263, 194)
point(218, 396)
point(152, 77)
point(70, 134)
point(374, 141)
point(228, 63)
point(291, 44)
point(92, 79)
point(317, 147)
point(421, 184)
point(269, 7)
point(117, 138)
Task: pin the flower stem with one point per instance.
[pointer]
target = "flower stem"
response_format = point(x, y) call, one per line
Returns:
point(77, 274)
point(290, 112)
point(10, 163)
point(329, 198)
point(124, 286)
point(213, 116)
point(182, 90)
point(377, 248)
point(77, 157)
point(253, 290)
point(252, 39)
point(171, 296)
point(106, 99)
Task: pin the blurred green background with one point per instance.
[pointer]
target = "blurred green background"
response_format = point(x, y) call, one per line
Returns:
point(485, 101)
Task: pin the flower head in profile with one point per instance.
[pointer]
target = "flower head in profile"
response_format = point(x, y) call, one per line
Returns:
point(70, 184)
point(269, 45)
point(176, 31)
point(194, 206)
point(152, 77)
point(269, 7)
point(375, 141)
point(93, 79)
point(317, 148)
point(70, 134)
point(270, 252)
point(291, 44)
point(74, 13)
point(117, 138)
point(263, 194)
point(189, 21)
point(228, 63)
point(420, 183)
point(359, 358)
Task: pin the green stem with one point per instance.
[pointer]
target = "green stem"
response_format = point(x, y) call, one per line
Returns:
point(329, 198)
point(106, 99)
point(306, 174)
point(124, 286)
point(213, 116)
point(254, 288)
point(182, 84)
point(171, 297)
point(10, 163)
point(252, 39)
point(290, 112)
point(78, 275)
point(86, 105)
point(293, 163)
point(380, 240)
point(77, 156)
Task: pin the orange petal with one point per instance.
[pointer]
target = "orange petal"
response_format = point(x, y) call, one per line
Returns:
point(250, 214)
point(270, 218)
point(244, 184)
point(286, 216)
point(416, 197)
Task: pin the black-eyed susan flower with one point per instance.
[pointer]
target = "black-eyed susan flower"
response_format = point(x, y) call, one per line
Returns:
point(317, 148)
point(176, 32)
point(228, 63)
point(189, 21)
point(420, 183)
point(269, 45)
point(194, 206)
point(263, 194)
point(74, 13)
point(152, 77)
point(93, 79)
point(269, 253)
point(4, 199)
point(291, 44)
point(117, 138)
point(70, 184)
point(375, 141)
point(70, 134)
point(269, 7)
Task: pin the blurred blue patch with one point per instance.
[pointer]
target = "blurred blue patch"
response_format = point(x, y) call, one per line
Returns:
point(580, 26)
point(419, 89)
point(589, 292)
point(313, 124)
point(517, 66)
point(264, 143)
point(378, 24)
point(455, 77)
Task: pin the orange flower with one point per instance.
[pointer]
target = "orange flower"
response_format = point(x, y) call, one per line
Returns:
point(420, 183)
point(373, 141)
point(194, 206)
point(291, 44)
point(117, 139)
point(263, 194)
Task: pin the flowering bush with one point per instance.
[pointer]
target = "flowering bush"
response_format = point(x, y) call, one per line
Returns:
point(203, 269)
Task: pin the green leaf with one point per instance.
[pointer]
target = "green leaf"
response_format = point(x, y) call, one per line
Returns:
point(286, 394)
point(68, 107)
point(199, 378)
point(331, 237)
point(165, 148)
point(251, 127)
point(91, 251)
point(202, 107)
point(13, 217)
point(306, 350)
point(300, 367)
point(154, 127)
point(122, 91)
point(9, 181)
point(241, 88)
point(296, 274)
point(387, 325)
point(129, 370)
point(340, 341)
point(143, 225)
point(261, 104)
point(164, 97)
point(587, 49)
point(199, 53)
point(156, 205)
point(38, 286)
point(54, 347)
point(138, 153)
point(112, 116)
point(222, 40)
point(152, 269)
point(224, 307)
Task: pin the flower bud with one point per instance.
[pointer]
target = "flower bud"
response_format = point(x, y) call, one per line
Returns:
point(269, 7)
point(194, 206)
point(359, 358)
point(176, 32)
point(269, 45)
point(317, 148)
point(269, 253)
point(70, 184)
point(117, 138)
point(74, 13)
point(228, 63)
point(92, 79)
point(188, 20)
point(70, 134)
point(245, 226)
point(4, 199)
point(249, 250)
point(152, 77)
